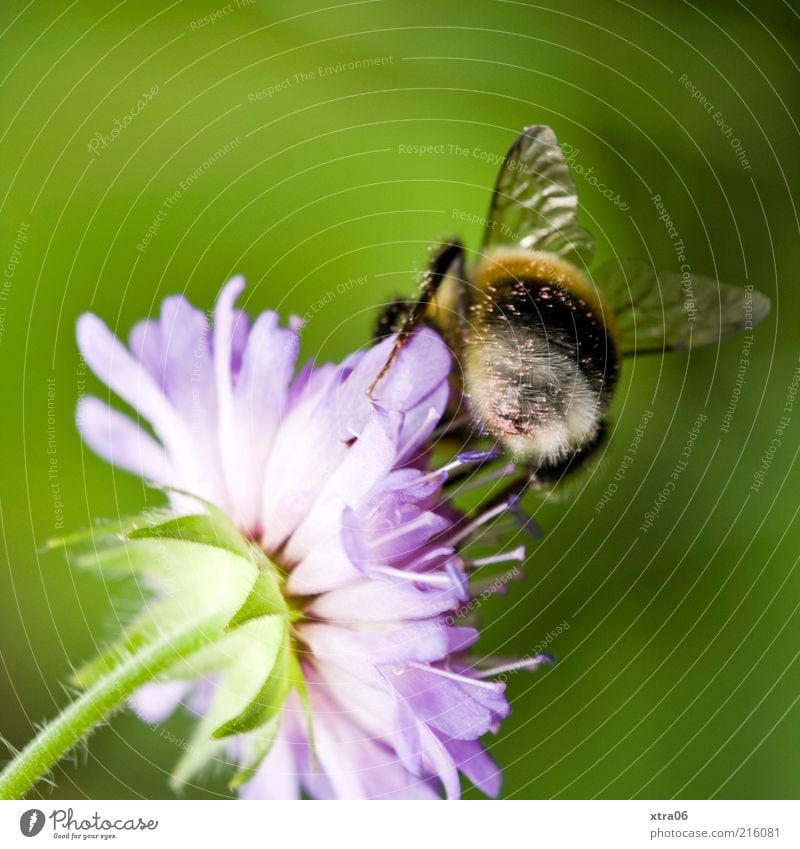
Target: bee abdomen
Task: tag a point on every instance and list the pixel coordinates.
(558, 320)
(542, 367)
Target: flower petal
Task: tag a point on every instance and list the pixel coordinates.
(326, 567)
(147, 346)
(458, 707)
(479, 768)
(115, 366)
(155, 702)
(278, 775)
(420, 368)
(392, 646)
(367, 461)
(305, 452)
(371, 600)
(121, 441)
(223, 342)
(358, 765)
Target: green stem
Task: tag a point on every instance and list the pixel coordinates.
(101, 699)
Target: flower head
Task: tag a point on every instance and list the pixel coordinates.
(332, 485)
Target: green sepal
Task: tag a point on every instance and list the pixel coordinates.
(216, 531)
(201, 749)
(269, 698)
(249, 657)
(259, 743)
(298, 682)
(194, 580)
(265, 599)
(102, 546)
(203, 572)
(112, 530)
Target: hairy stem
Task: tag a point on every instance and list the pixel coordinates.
(100, 700)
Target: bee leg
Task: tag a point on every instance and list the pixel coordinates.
(392, 318)
(440, 264)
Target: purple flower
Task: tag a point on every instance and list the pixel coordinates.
(333, 485)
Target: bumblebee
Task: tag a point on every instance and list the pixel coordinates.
(538, 341)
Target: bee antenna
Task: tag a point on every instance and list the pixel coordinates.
(443, 258)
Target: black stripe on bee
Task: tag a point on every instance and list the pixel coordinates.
(564, 319)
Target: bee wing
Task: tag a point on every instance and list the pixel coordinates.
(660, 312)
(535, 202)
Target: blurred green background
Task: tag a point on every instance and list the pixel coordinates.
(678, 674)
